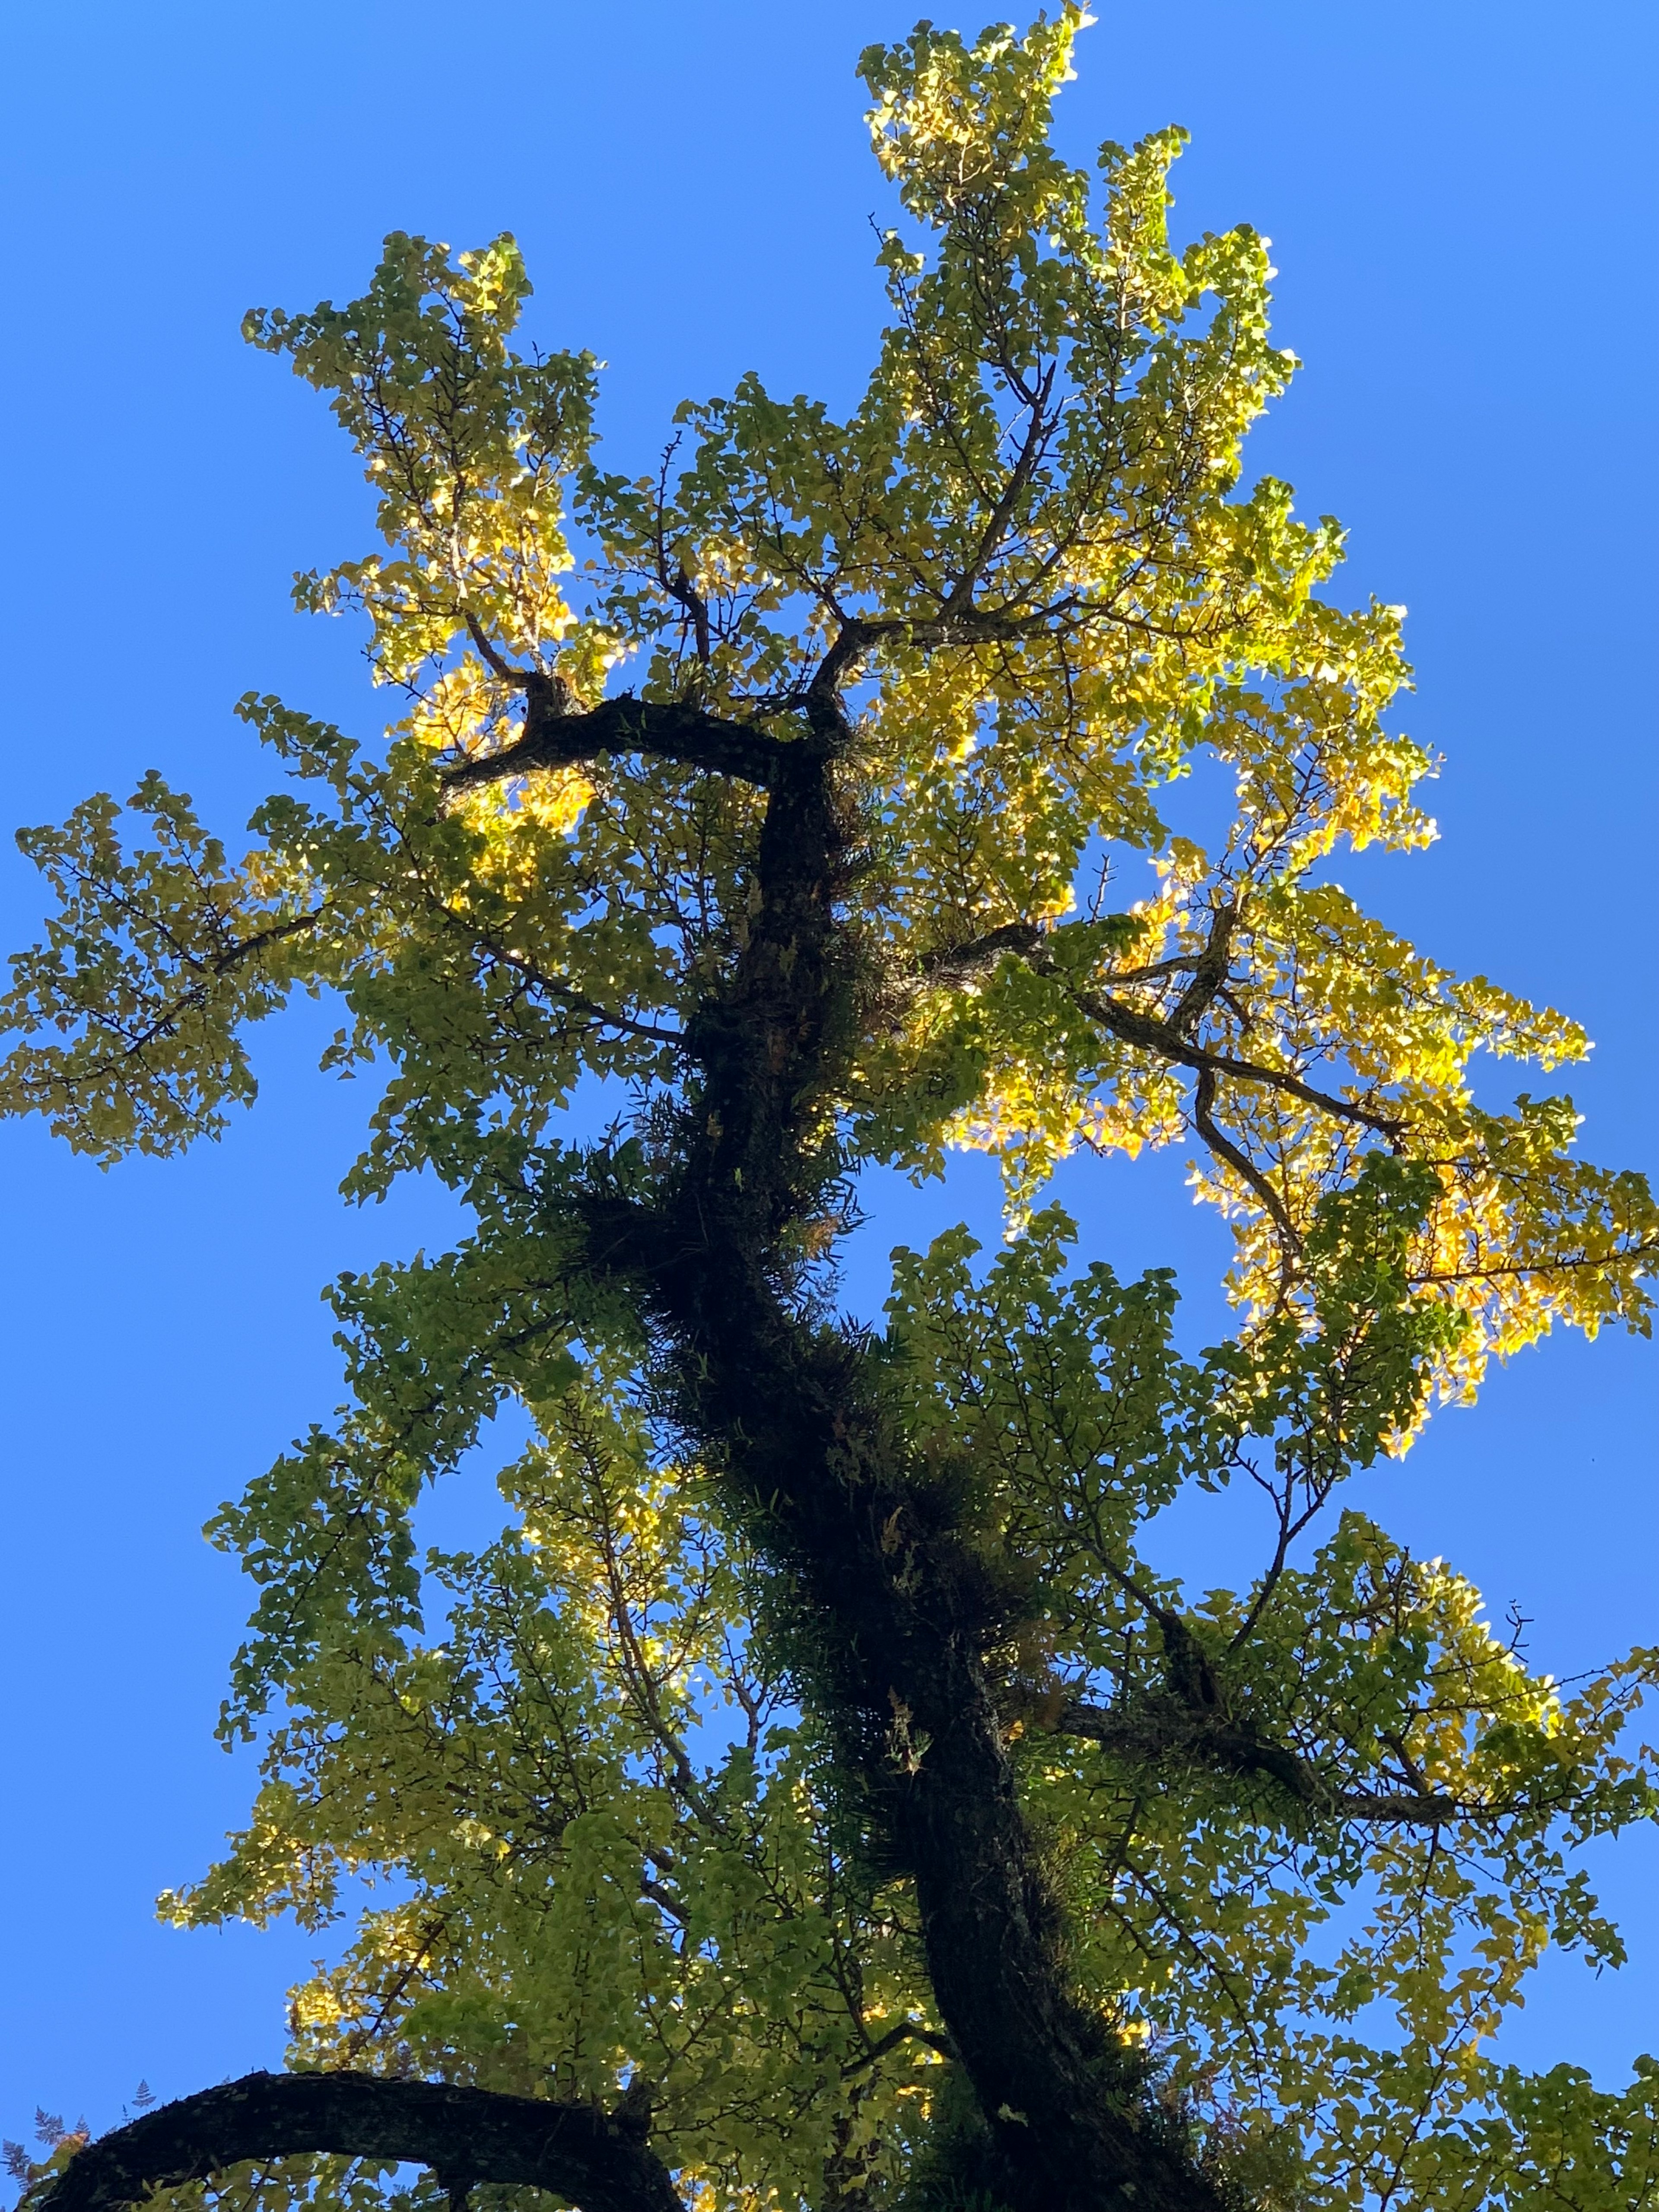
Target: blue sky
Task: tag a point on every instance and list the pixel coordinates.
(1461, 198)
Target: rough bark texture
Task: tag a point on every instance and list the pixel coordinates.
(555, 737)
(598, 2162)
(900, 1611)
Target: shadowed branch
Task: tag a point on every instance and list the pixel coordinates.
(464, 2136)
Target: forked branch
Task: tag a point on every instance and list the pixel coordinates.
(673, 730)
(1162, 1729)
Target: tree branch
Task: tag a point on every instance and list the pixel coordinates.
(906, 2031)
(1239, 1162)
(960, 599)
(960, 963)
(673, 730)
(599, 2161)
(1154, 1035)
(1159, 1729)
(1167, 1038)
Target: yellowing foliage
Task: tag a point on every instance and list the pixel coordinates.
(1029, 575)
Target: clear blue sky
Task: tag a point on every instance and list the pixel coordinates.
(1461, 197)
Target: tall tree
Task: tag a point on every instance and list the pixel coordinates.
(816, 1797)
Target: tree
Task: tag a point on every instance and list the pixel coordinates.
(814, 1797)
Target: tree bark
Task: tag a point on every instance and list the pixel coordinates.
(895, 1609)
(598, 2162)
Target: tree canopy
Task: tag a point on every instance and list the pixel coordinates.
(815, 1798)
